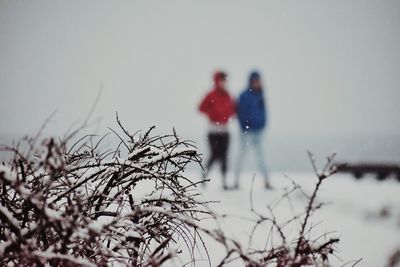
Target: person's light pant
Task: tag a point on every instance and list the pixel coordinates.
(251, 141)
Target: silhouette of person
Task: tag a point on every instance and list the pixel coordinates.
(219, 108)
(252, 115)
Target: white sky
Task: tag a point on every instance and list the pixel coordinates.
(332, 67)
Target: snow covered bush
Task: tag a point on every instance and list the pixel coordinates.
(303, 250)
(81, 204)
(297, 244)
(76, 205)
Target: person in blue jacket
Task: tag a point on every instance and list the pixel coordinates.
(252, 115)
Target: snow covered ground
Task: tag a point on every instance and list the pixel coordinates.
(352, 212)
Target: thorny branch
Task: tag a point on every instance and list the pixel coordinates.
(71, 205)
(78, 205)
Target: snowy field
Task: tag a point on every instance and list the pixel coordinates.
(351, 213)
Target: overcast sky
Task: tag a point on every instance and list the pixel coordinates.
(331, 67)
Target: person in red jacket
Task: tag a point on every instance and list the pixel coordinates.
(219, 108)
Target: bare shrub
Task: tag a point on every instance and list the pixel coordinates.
(83, 205)
(394, 259)
(299, 251)
(72, 205)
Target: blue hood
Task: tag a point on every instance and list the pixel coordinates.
(251, 110)
(254, 75)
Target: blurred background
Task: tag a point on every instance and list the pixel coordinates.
(331, 68)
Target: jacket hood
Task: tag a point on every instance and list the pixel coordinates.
(254, 75)
(219, 75)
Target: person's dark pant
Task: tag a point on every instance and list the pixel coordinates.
(219, 143)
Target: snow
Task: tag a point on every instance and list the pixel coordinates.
(47, 255)
(8, 174)
(351, 212)
(52, 214)
(10, 218)
(96, 226)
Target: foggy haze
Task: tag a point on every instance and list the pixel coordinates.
(331, 68)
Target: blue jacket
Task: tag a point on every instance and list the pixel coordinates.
(251, 110)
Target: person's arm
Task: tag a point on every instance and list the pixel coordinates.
(265, 111)
(266, 106)
(205, 104)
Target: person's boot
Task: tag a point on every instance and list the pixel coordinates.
(268, 186)
(236, 186)
(224, 185)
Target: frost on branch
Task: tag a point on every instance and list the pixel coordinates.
(290, 250)
(78, 205)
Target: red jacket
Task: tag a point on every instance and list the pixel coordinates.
(218, 106)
